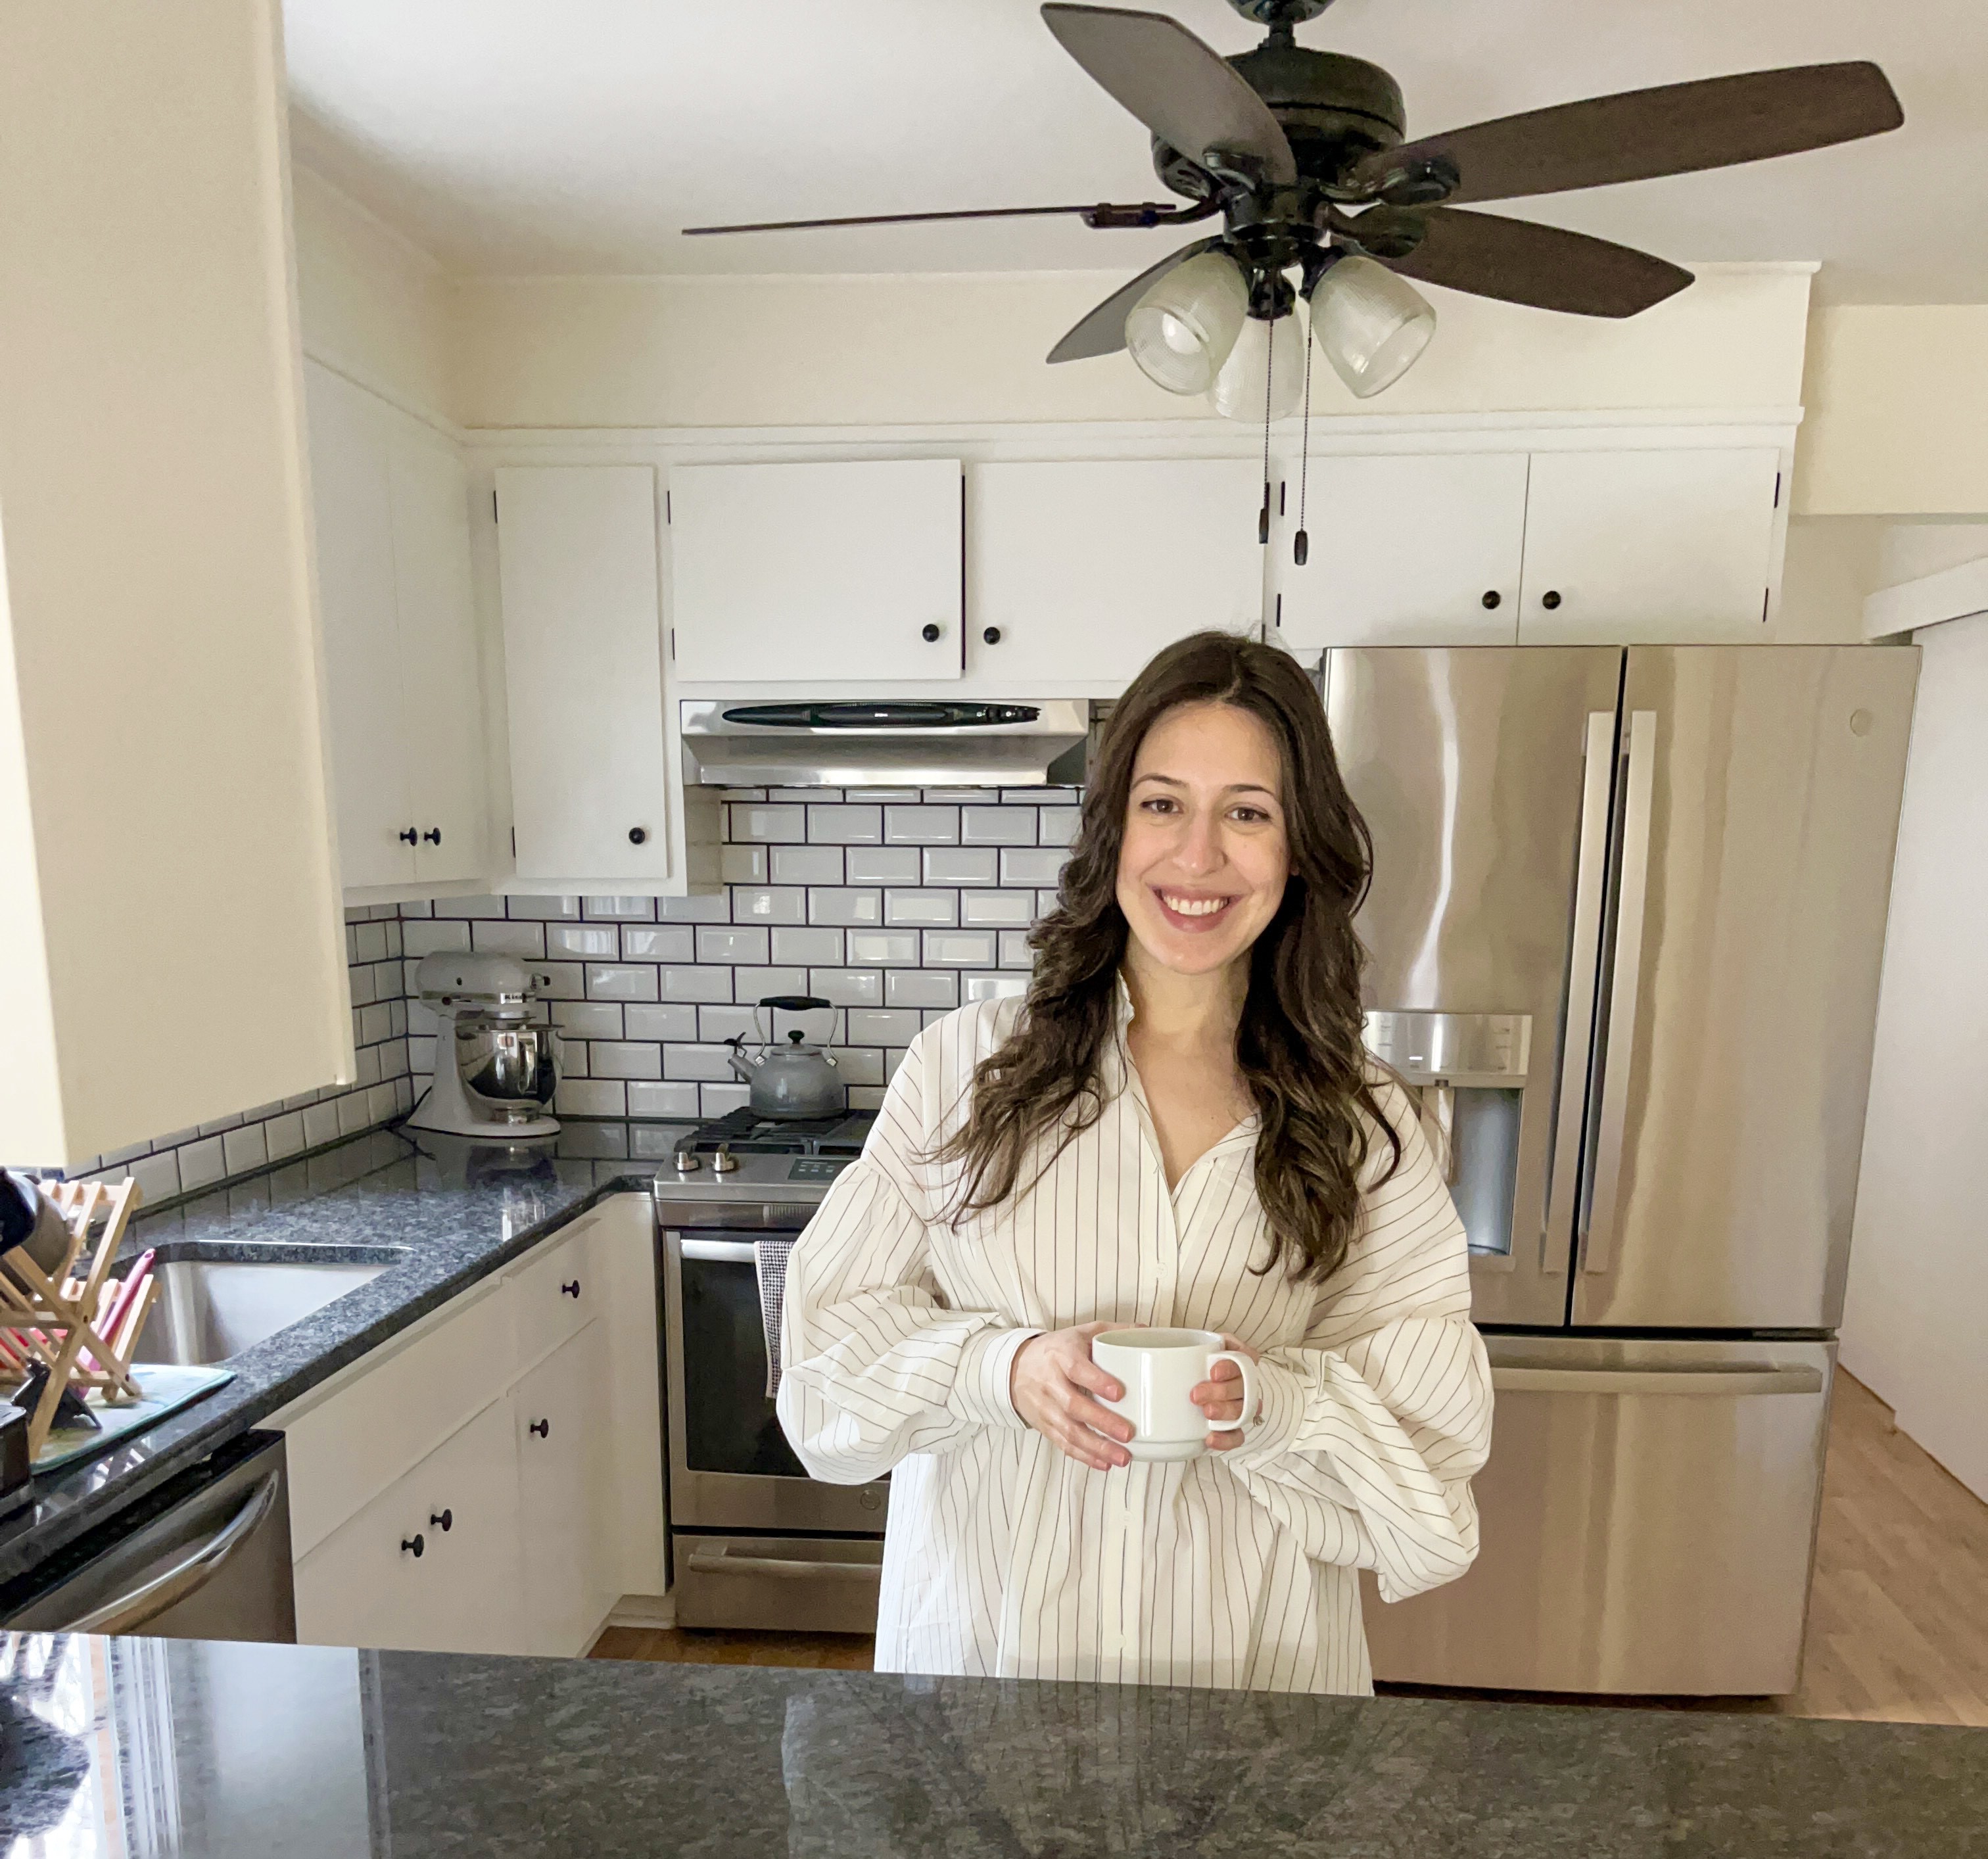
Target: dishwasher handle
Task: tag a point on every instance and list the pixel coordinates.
(127, 1612)
(1736, 1378)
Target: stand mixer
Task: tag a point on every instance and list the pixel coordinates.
(496, 1067)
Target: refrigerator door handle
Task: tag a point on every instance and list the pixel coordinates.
(1590, 888)
(1727, 1380)
(1598, 1236)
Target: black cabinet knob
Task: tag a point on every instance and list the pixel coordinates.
(409, 836)
(1550, 599)
(444, 1521)
(571, 1290)
(413, 1545)
(931, 632)
(433, 836)
(638, 836)
(1491, 596)
(542, 1428)
(993, 635)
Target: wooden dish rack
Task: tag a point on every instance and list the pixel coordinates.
(52, 1317)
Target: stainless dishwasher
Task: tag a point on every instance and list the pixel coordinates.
(205, 1556)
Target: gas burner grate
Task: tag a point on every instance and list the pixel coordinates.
(745, 1133)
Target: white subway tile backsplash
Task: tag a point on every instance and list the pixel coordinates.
(866, 1097)
(722, 1099)
(858, 909)
(623, 1058)
(588, 1020)
(891, 794)
(467, 907)
(961, 865)
(993, 987)
(843, 826)
(527, 940)
(1046, 901)
(352, 1114)
(807, 865)
(742, 864)
(731, 946)
(809, 947)
(619, 909)
(157, 1177)
(624, 982)
(697, 1063)
(431, 938)
(594, 941)
(283, 1135)
(923, 909)
(244, 1149)
(320, 1128)
(997, 827)
(368, 942)
(882, 864)
(883, 948)
(666, 1021)
(557, 980)
(375, 1024)
(1002, 909)
(548, 910)
(1031, 865)
(1015, 951)
(660, 942)
(750, 984)
(691, 984)
(1058, 825)
(770, 825)
(201, 1163)
(848, 987)
(369, 1069)
(883, 1027)
(574, 1055)
(715, 907)
(959, 949)
(716, 1024)
(662, 1100)
(922, 826)
(591, 1097)
(920, 988)
(956, 796)
(772, 903)
(860, 1065)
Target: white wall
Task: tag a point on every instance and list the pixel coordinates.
(929, 349)
(372, 303)
(1915, 1327)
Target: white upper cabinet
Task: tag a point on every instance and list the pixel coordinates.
(405, 675)
(830, 572)
(1648, 547)
(1405, 549)
(1084, 570)
(590, 787)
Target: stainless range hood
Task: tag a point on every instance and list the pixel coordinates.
(884, 742)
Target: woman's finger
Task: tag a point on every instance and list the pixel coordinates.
(1086, 1412)
(1224, 1442)
(1086, 1450)
(1087, 1373)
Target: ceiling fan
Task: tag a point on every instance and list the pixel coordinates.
(1301, 153)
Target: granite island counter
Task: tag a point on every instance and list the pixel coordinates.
(222, 1751)
(441, 1213)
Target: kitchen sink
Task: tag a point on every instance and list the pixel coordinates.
(210, 1309)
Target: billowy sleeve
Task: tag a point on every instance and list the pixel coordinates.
(873, 1364)
(1372, 1427)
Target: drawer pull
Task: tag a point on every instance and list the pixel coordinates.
(542, 1428)
(413, 1545)
(444, 1521)
(571, 1290)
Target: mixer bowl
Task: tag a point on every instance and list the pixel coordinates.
(509, 1068)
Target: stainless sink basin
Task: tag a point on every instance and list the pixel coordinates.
(209, 1310)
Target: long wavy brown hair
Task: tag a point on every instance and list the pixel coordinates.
(1298, 1047)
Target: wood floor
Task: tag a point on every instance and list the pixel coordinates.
(1897, 1625)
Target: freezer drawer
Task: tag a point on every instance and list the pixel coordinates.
(1649, 1520)
(778, 1584)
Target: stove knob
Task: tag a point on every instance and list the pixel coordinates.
(724, 1162)
(688, 1161)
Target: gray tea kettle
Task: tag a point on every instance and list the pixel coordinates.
(798, 1079)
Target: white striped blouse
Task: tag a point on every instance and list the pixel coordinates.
(1004, 1558)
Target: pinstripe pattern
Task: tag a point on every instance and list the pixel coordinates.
(1004, 1558)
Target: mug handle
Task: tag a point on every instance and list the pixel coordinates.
(1248, 1387)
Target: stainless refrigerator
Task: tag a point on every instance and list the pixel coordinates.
(1626, 921)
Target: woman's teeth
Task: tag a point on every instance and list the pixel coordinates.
(1194, 907)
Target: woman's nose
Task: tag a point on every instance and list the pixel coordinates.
(1201, 845)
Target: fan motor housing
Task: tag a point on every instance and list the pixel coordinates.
(1333, 108)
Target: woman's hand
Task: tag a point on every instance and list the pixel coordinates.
(1220, 1397)
(1051, 1381)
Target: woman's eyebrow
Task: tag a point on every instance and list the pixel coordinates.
(1234, 787)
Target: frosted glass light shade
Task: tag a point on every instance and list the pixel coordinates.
(1369, 324)
(1181, 331)
(1239, 387)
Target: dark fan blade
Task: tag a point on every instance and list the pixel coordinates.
(1674, 129)
(1189, 96)
(1103, 332)
(888, 219)
(1523, 262)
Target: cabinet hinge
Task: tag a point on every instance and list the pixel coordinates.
(673, 645)
(1767, 594)
(667, 517)
(1278, 618)
(1280, 496)
(1777, 490)
(514, 842)
(493, 506)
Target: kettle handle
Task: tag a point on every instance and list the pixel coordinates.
(794, 1003)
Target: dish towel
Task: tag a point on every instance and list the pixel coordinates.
(770, 1260)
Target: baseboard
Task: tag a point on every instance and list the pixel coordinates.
(640, 1610)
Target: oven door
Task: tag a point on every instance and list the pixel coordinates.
(731, 1467)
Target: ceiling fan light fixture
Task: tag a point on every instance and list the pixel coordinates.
(1239, 390)
(1370, 324)
(1181, 332)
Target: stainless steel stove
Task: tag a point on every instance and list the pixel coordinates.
(754, 1541)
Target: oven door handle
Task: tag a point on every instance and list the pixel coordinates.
(728, 1251)
(788, 1568)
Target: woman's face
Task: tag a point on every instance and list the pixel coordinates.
(1204, 858)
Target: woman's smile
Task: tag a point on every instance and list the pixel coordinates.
(1192, 911)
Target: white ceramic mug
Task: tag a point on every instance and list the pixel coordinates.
(1158, 1369)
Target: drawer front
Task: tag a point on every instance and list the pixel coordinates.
(348, 1449)
(556, 1292)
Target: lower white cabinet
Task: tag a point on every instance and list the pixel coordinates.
(519, 1528)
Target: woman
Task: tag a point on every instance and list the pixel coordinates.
(1178, 1127)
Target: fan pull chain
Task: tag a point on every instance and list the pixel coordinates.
(1301, 542)
(1270, 375)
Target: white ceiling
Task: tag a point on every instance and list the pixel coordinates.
(524, 136)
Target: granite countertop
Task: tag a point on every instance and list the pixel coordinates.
(229, 1751)
(445, 1211)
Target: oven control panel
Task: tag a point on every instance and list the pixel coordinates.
(817, 1167)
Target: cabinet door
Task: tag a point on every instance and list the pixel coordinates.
(1405, 550)
(559, 1413)
(365, 1585)
(582, 668)
(441, 668)
(1084, 570)
(1648, 547)
(832, 571)
(352, 492)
